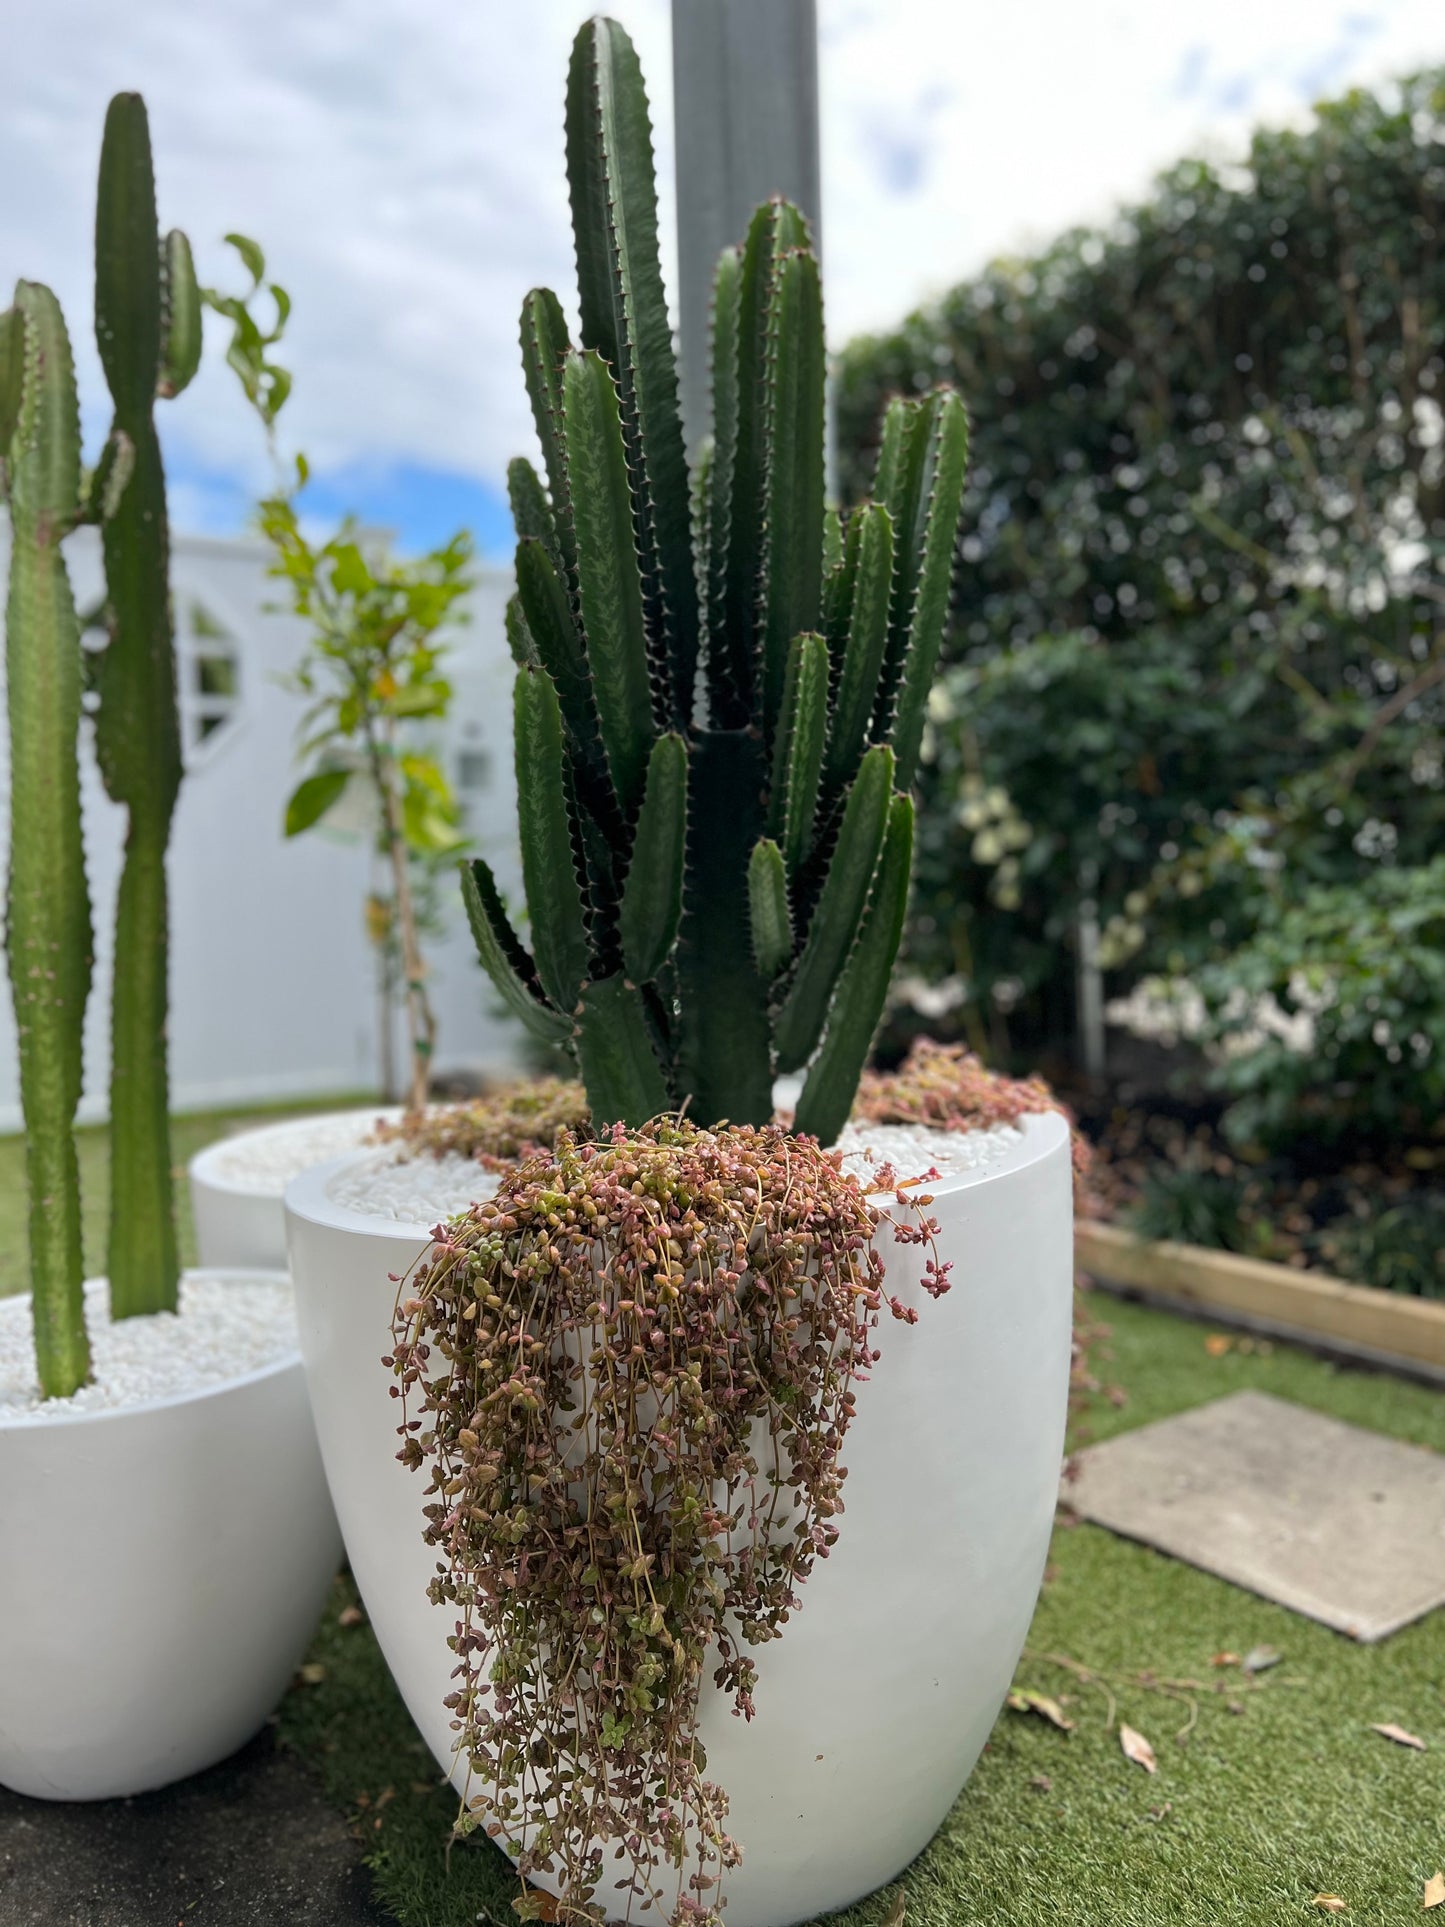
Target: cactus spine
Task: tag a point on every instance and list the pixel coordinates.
(716, 883)
(48, 934)
(147, 321)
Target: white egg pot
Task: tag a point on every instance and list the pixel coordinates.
(162, 1570)
(240, 1219)
(874, 1705)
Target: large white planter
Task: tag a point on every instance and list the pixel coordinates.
(242, 1220)
(874, 1705)
(162, 1570)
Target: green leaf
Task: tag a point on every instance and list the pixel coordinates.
(793, 557)
(554, 897)
(625, 319)
(609, 584)
(504, 959)
(652, 894)
(834, 926)
(868, 569)
(624, 1080)
(313, 797)
(251, 254)
(349, 573)
(769, 921)
(798, 752)
(832, 1081)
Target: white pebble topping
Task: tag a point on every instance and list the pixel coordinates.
(421, 1190)
(266, 1160)
(226, 1328)
(913, 1149)
(424, 1190)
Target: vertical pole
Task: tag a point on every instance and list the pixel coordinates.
(745, 79)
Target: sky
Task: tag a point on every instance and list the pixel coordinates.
(401, 163)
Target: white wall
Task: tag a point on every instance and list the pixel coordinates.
(273, 987)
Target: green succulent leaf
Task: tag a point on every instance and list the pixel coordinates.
(834, 926)
(609, 583)
(652, 894)
(313, 797)
(554, 896)
(769, 921)
(832, 1080)
(504, 959)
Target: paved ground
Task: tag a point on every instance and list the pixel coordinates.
(252, 1843)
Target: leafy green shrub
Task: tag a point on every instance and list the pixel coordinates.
(1182, 1204)
(1402, 1249)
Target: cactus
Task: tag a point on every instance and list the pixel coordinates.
(716, 875)
(147, 323)
(48, 933)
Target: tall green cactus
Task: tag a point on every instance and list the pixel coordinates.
(716, 876)
(147, 324)
(48, 934)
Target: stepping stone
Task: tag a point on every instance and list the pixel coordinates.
(1328, 1519)
(251, 1843)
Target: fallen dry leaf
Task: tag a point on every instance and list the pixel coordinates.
(1137, 1748)
(1021, 1700)
(312, 1673)
(350, 1616)
(1388, 1730)
(1434, 1892)
(1330, 1904)
(1217, 1344)
(1225, 1659)
(1041, 1783)
(1259, 1659)
(894, 1916)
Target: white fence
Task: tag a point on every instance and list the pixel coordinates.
(273, 980)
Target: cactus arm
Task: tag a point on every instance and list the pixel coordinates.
(624, 1080)
(926, 566)
(48, 932)
(834, 925)
(544, 349)
(652, 893)
(511, 970)
(793, 551)
(724, 1062)
(832, 1079)
(543, 603)
(798, 748)
(531, 511)
(180, 316)
(108, 482)
(898, 419)
(728, 677)
(870, 566)
(624, 317)
(769, 921)
(609, 584)
(520, 640)
(137, 726)
(832, 540)
(554, 896)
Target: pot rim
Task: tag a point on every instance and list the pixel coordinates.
(289, 1360)
(200, 1167)
(308, 1196)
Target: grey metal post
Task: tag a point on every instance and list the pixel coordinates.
(745, 79)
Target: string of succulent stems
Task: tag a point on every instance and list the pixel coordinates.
(721, 684)
(631, 1375)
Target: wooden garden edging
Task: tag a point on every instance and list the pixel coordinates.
(1309, 1304)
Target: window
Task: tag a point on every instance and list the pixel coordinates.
(209, 669)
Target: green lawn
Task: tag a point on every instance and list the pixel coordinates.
(189, 1134)
(1279, 1791)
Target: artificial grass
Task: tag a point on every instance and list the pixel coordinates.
(190, 1133)
(1280, 1791)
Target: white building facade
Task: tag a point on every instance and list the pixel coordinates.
(274, 982)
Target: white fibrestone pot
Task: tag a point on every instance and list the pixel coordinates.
(238, 1183)
(162, 1570)
(874, 1705)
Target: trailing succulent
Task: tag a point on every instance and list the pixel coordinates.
(721, 688)
(634, 1465)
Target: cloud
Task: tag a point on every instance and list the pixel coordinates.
(401, 161)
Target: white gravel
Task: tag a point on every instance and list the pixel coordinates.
(913, 1149)
(425, 1190)
(266, 1160)
(420, 1190)
(226, 1328)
